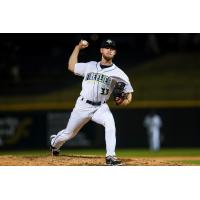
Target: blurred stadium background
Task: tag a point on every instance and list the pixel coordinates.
(37, 92)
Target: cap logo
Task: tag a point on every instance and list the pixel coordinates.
(109, 41)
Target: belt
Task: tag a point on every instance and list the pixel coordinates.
(92, 102)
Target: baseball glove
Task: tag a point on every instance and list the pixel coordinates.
(118, 93)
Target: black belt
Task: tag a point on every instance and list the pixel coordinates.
(92, 102)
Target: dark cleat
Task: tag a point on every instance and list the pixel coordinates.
(113, 161)
(54, 151)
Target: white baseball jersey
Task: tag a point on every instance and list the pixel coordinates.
(98, 83)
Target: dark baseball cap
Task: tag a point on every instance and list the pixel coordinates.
(108, 43)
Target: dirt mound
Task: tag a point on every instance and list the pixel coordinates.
(74, 160)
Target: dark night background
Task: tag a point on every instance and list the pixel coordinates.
(35, 64)
(40, 57)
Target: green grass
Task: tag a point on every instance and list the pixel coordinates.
(161, 153)
(120, 152)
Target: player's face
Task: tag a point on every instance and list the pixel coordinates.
(108, 53)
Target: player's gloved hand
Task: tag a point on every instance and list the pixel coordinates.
(119, 100)
(118, 93)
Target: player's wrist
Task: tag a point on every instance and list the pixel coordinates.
(77, 47)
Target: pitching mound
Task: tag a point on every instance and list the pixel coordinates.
(74, 160)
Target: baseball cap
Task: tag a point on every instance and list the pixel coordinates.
(108, 43)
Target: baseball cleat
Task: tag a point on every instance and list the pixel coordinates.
(54, 151)
(113, 161)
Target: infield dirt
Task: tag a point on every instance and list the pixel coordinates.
(9, 160)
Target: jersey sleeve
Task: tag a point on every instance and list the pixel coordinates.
(80, 69)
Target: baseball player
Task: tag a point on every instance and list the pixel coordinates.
(153, 123)
(99, 81)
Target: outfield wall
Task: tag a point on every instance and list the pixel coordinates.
(31, 129)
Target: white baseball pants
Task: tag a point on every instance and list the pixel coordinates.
(81, 114)
(154, 139)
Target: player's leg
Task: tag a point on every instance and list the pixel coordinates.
(76, 121)
(104, 117)
(156, 140)
(80, 115)
(151, 144)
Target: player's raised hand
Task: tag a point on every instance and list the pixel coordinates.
(83, 44)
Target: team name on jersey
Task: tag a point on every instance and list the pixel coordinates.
(99, 77)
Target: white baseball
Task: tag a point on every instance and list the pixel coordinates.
(84, 42)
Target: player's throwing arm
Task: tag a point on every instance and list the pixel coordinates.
(74, 56)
